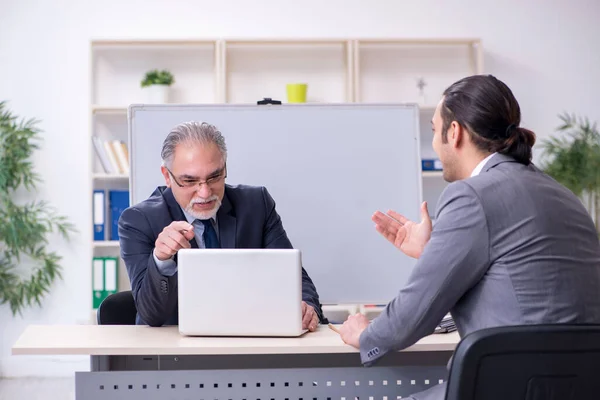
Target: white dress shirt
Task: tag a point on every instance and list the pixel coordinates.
(479, 166)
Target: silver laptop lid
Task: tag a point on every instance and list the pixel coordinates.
(240, 292)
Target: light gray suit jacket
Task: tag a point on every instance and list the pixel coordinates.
(510, 246)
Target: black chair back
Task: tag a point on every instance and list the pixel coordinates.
(117, 309)
(532, 362)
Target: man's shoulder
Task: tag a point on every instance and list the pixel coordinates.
(506, 183)
(495, 180)
(461, 188)
(505, 177)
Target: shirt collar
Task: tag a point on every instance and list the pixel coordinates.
(479, 166)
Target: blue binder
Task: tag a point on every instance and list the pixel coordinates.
(119, 201)
(431, 164)
(99, 214)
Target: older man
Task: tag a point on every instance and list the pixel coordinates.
(197, 209)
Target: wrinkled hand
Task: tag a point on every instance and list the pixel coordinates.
(310, 319)
(351, 329)
(175, 236)
(406, 235)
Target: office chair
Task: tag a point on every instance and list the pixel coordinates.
(117, 309)
(534, 362)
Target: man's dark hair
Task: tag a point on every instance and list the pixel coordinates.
(487, 108)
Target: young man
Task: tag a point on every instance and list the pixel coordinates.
(510, 245)
(197, 209)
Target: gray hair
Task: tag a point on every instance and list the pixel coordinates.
(191, 132)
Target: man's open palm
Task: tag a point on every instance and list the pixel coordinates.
(406, 235)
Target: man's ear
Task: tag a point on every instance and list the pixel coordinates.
(166, 174)
(456, 134)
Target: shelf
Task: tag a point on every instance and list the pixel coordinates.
(108, 110)
(285, 42)
(388, 71)
(424, 41)
(106, 243)
(117, 71)
(107, 177)
(433, 174)
(255, 70)
(153, 43)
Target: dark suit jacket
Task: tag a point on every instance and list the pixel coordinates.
(247, 219)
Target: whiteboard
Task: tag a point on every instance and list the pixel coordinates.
(329, 167)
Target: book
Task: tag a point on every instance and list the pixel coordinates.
(119, 201)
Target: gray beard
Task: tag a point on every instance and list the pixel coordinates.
(203, 214)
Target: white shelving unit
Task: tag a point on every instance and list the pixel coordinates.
(257, 69)
(247, 70)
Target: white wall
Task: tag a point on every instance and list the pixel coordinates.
(548, 52)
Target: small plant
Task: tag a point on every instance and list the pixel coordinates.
(156, 77)
(575, 160)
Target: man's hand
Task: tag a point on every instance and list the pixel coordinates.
(406, 235)
(175, 236)
(310, 319)
(351, 329)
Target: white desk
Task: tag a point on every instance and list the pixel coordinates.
(143, 362)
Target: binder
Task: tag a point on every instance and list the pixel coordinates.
(111, 275)
(431, 164)
(105, 278)
(97, 281)
(98, 205)
(119, 201)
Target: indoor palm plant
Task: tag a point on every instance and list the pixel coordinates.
(574, 160)
(27, 267)
(157, 83)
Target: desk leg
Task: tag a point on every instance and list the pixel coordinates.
(99, 363)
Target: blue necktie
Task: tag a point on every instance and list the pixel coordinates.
(211, 241)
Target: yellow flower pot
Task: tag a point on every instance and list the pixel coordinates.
(296, 92)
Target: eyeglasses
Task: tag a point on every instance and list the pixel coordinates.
(211, 182)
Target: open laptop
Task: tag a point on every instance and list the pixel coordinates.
(240, 292)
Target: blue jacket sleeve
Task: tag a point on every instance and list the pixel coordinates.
(155, 294)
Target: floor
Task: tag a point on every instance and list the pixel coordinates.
(37, 389)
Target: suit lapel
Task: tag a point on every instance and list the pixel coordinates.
(176, 212)
(227, 223)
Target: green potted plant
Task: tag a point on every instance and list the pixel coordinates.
(27, 267)
(574, 160)
(156, 84)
